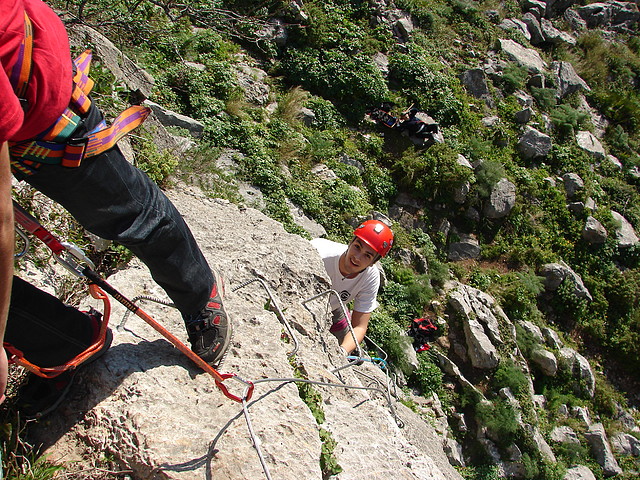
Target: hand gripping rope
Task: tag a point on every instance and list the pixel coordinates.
(72, 258)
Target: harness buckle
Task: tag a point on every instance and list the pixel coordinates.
(74, 151)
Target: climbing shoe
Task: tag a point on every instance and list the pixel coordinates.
(210, 331)
(40, 396)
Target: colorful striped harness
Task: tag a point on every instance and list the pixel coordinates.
(56, 145)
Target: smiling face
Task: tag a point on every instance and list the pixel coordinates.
(358, 256)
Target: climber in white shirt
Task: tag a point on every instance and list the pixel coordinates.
(355, 277)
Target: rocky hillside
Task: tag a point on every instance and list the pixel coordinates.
(152, 415)
(525, 220)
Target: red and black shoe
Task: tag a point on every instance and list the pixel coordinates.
(210, 332)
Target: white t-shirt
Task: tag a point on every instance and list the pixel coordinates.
(362, 289)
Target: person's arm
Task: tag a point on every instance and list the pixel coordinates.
(6, 255)
(360, 323)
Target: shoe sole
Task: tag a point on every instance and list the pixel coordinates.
(225, 346)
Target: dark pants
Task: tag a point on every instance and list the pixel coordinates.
(48, 332)
(116, 201)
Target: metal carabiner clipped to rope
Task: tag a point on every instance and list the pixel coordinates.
(73, 259)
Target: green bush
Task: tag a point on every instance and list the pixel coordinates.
(514, 77)
(419, 78)
(499, 417)
(545, 97)
(487, 176)
(352, 80)
(428, 376)
(535, 469)
(567, 120)
(433, 174)
(509, 375)
(386, 332)
(158, 165)
(480, 472)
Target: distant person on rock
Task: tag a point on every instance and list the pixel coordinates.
(414, 127)
(52, 137)
(354, 276)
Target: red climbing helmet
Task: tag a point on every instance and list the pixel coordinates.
(375, 234)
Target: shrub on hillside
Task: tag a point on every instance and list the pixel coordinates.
(428, 376)
(509, 375)
(422, 80)
(433, 174)
(499, 417)
(351, 79)
(567, 120)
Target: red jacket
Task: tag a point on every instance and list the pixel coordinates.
(51, 76)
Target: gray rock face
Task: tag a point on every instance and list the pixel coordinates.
(625, 444)
(535, 30)
(564, 434)
(501, 200)
(468, 247)
(545, 360)
(625, 234)
(252, 82)
(475, 82)
(572, 183)
(594, 232)
(169, 118)
(597, 438)
(533, 144)
(567, 80)
(517, 25)
(556, 273)
(617, 16)
(554, 36)
(590, 144)
(122, 67)
(580, 368)
(160, 417)
(580, 472)
(479, 314)
(525, 57)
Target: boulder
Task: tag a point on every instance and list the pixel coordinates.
(567, 80)
(614, 15)
(572, 184)
(467, 247)
(625, 234)
(581, 369)
(625, 444)
(122, 67)
(479, 314)
(501, 200)
(545, 360)
(556, 273)
(590, 144)
(601, 450)
(594, 232)
(517, 25)
(169, 118)
(564, 434)
(580, 472)
(534, 144)
(525, 57)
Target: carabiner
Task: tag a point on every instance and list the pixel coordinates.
(248, 393)
(70, 263)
